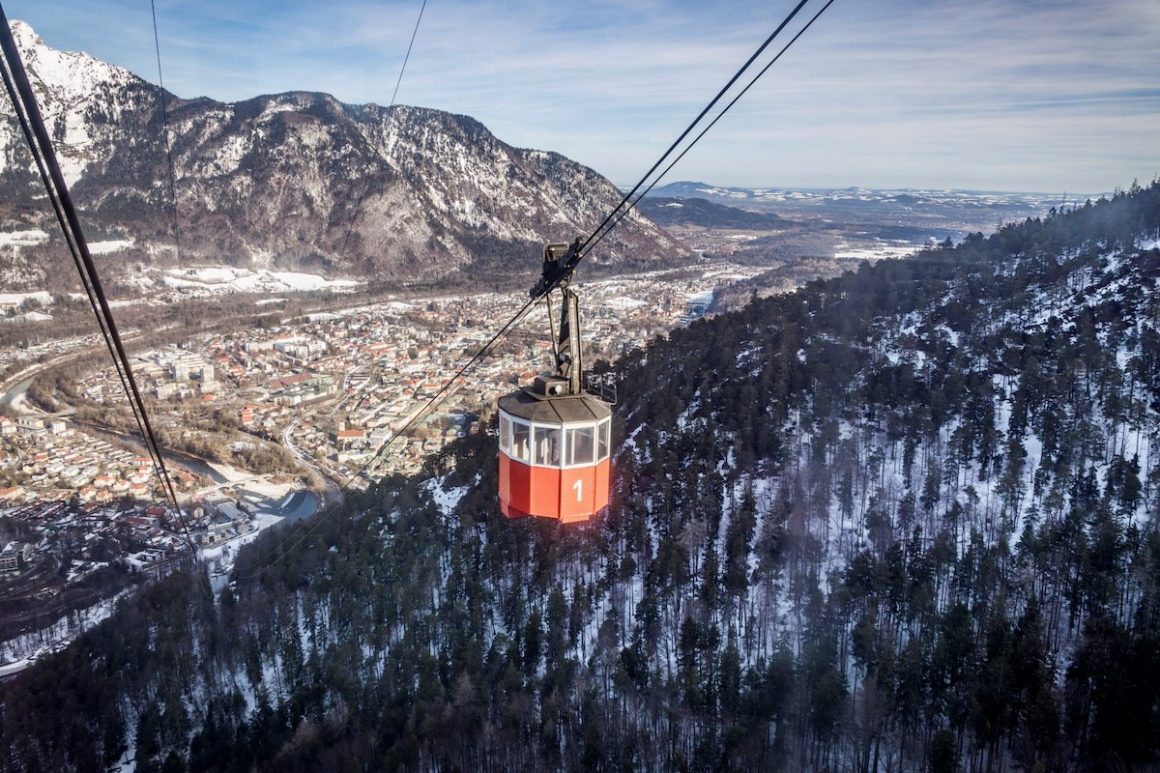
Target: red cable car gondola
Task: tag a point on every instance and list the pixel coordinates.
(555, 436)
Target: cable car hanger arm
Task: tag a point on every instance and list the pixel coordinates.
(559, 262)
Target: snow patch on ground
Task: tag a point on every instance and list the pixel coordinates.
(32, 316)
(446, 499)
(227, 279)
(21, 652)
(621, 302)
(16, 299)
(111, 246)
(231, 474)
(23, 238)
(876, 252)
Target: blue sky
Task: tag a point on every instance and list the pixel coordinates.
(1043, 95)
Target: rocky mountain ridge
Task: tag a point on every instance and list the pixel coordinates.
(296, 181)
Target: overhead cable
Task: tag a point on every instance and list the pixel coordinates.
(613, 219)
(24, 102)
(676, 143)
(592, 245)
(398, 81)
(437, 399)
(168, 142)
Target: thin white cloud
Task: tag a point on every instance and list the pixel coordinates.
(1048, 94)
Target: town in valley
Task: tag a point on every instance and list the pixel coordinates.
(271, 421)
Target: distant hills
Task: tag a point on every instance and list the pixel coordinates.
(801, 233)
(667, 212)
(973, 210)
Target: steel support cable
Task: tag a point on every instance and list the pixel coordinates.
(425, 410)
(40, 143)
(91, 293)
(446, 390)
(705, 130)
(92, 303)
(583, 250)
(73, 251)
(27, 131)
(68, 236)
(437, 398)
(417, 418)
(165, 129)
(628, 196)
(398, 81)
(614, 217)
(176, 238)
(407, 56)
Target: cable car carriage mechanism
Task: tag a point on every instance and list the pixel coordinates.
(555, 435)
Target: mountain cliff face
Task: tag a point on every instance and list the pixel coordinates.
(296, 181)
(905, 519)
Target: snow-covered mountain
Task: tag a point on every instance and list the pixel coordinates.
(292, 181)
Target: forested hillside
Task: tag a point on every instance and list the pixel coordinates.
(905, 519)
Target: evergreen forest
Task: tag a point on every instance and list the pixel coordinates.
(905, 519)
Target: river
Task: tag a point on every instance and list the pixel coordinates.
(192, 463)
(302, 504)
